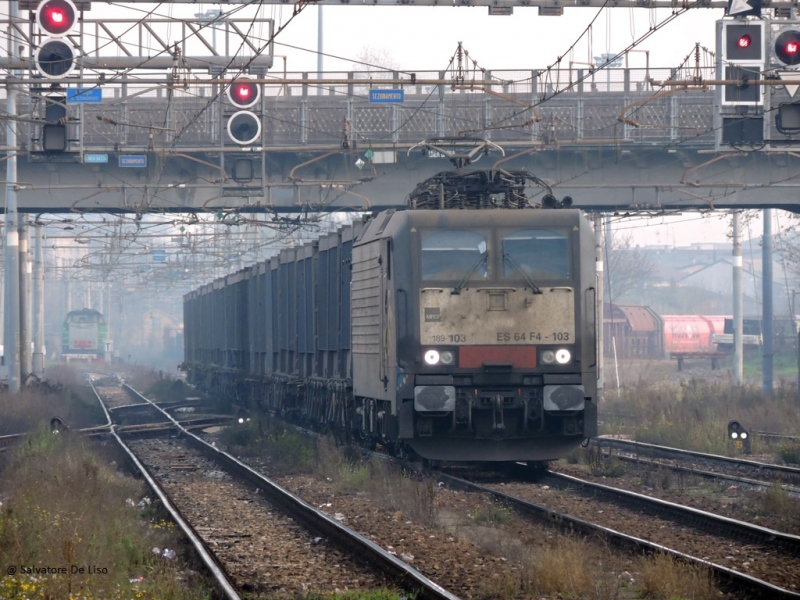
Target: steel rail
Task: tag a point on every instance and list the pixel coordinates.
(352, 542)
(701, 472)
(739, 580)
(777, 471)
(202, 551)
(740, 529)
(769, 436)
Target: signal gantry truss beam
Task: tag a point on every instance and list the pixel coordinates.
(157, 43)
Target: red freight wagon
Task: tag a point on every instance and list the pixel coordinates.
(691, 333)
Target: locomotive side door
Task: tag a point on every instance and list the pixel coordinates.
(385, 300)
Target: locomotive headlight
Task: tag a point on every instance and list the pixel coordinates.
(548, 356)
(447, 357)
(563, 356)
(432, 357)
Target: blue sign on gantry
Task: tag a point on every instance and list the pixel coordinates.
(133, 160)
(84, 95)
(386, 96)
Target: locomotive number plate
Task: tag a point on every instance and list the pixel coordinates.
(526, 319)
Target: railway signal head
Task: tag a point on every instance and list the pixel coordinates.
(244, 126)
(243, 93)
(739, 436)
(786, 47)
(54, 131)
(54, 56)
(56, 17)
(743, 42)
(54, 59)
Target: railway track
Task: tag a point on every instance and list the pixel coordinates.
(264, 538)
(698, 472)
(538, 502)
(775, 552)
(764, 472)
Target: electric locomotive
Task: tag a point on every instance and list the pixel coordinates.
(458, 335)
(473, 333)
(83, 335)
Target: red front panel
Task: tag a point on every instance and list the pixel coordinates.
(474, 357)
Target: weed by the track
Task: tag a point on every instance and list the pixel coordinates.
(658, 479)
(291, 451)
(491, 513)
(662, 577)
(351, 595)
(601, 465)
(70, 526)
(790, 453)
(570, 567)
(32, 406)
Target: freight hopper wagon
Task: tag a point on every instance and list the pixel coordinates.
(456, 334)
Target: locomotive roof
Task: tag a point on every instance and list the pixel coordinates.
(388, 222)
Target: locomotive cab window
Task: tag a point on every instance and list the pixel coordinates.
(449, 254)
(538, 252)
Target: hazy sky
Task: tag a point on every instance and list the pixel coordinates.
(425, 38)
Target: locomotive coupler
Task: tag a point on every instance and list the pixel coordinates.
(497, 408)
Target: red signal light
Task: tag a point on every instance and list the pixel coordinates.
(56, 17)
(787, 47)
(244, 93)
(745, 41)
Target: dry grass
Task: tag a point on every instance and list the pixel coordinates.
(777, 502)
(36, 405)
(414, 496)
(560, 567)
(695, 414)
(661, 577)
(63, 507)
(570, 567)
(291, 451)
(386, 484)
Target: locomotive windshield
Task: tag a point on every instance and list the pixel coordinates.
(537, 252)
(451, 253)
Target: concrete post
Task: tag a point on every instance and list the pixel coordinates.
(738, 355)
(11, 260)
(319, 49)
(109, 349)
(25, 365)
(766, 318)
(598, 245)
(38, 304)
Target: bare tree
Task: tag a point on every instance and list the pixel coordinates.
(627, 266)
(376, 60)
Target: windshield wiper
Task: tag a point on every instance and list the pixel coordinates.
(482, 260)
(508, 259)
